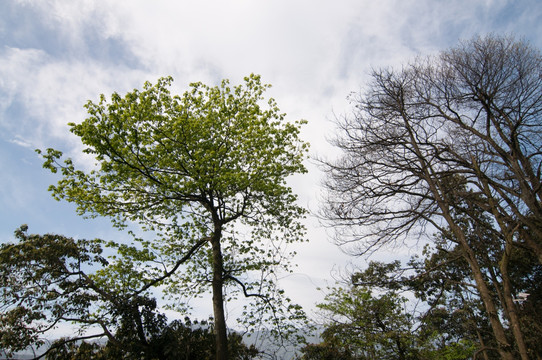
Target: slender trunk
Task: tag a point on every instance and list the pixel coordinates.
(509, 304)
(505, 349)
(221, 335)
(482, 345)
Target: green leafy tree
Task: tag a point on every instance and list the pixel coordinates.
(453, 313)
(368, 326)
(47, 280)
(371, 319)
(42, 284)
(50, 279)
(206, 173)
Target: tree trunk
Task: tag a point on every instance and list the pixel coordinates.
(509, 304)
(506, 298)
(221, 335)
(504, 347)
(428, 174)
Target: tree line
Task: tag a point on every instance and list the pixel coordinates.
(446, 151)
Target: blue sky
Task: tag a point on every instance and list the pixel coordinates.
(57, 54)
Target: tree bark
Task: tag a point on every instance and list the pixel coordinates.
(504, 347)
(428, 174)
(221, 335)
(509, 304)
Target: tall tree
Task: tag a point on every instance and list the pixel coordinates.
(474, 111)
(206, 172)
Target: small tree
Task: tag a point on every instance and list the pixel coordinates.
(206, 172)
(369, 326)
(48, 280)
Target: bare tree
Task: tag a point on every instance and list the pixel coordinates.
(464, 125)
(488, 93)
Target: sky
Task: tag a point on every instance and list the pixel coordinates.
(55, 55)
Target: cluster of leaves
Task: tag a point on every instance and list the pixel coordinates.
(188, 340)
(47, 280)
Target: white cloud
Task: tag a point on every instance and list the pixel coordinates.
(22, 142)
(50, 93)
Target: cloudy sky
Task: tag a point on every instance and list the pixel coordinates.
(57, 54)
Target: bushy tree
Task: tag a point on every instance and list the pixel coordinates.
(360, 324)
(370, 326)
(50, 279)
(188, 340)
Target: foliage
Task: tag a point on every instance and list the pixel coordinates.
(186, 340)
(206, 173)
(74, 351)
(42, 283)
(370, 326)
(47, 280)
(360, 325)
(325, 351)
(50, 279)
